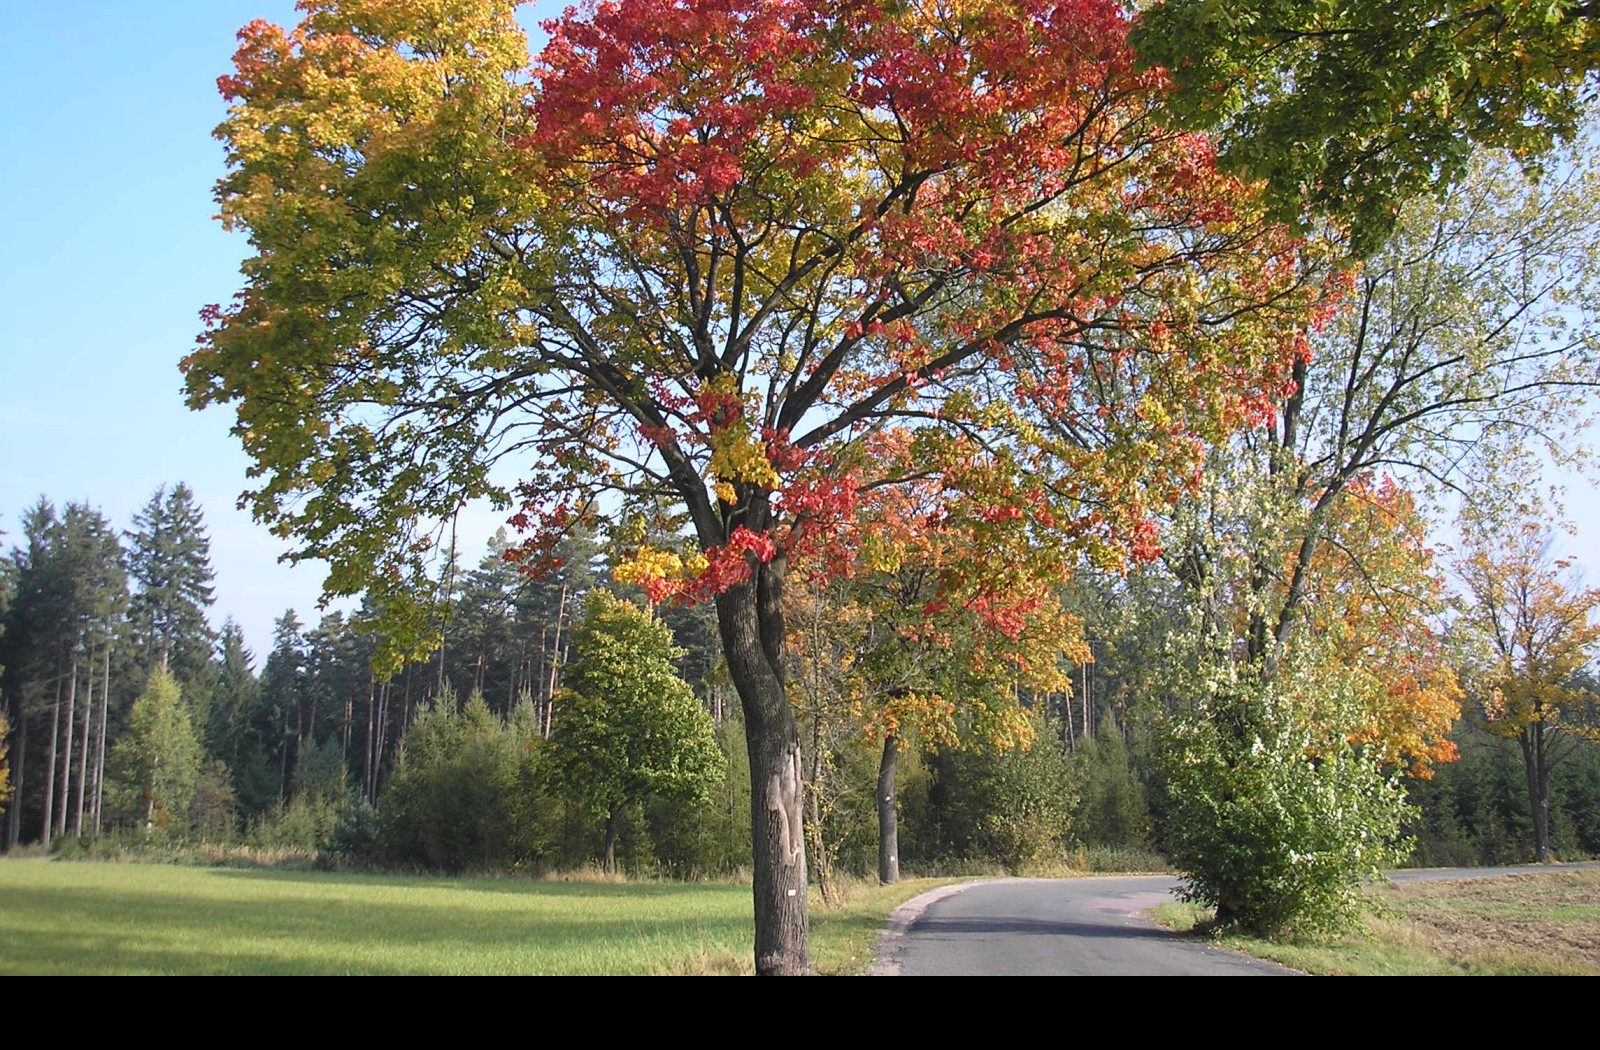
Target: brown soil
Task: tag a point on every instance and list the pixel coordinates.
(1544, 920)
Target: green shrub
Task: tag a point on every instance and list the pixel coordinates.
(459, 794)
(1275, 818)
(1011, 805)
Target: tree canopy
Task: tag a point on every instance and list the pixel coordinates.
(690, 258)
(1352, 108)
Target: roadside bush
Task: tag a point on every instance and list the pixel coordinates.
(1275, 818)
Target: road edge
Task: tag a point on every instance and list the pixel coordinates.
(885, 956)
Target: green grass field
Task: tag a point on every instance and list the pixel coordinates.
(84, 918)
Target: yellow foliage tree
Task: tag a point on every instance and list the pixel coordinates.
(1531, 632)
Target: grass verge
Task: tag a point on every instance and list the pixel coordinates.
(1545, 924)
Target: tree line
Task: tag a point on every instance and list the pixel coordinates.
(564, 720)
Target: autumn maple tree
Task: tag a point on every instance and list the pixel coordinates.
(916, 645)
(1530, 632)
(695, 254)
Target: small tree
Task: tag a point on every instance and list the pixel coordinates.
(1529, 624)
(158, 760)
(1275, 817)
(628, 727)
(452, 801)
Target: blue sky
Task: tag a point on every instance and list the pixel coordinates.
(109, 251)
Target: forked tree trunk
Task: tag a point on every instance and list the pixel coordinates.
(750, 622)
(888, 814)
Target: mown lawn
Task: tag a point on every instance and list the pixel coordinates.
(1537, 924)
(86, 918)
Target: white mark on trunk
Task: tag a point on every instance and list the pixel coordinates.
(783, 799)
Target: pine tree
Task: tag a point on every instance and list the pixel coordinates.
(278, 721)
(171, 564)
(69, 601)
(234, 695)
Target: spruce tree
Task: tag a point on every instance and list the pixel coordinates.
(170, 558)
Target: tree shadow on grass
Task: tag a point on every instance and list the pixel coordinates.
(510, 884)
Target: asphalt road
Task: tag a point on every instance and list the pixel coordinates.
(1072, 927)
(1055, 927)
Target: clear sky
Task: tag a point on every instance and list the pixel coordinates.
(108, 250)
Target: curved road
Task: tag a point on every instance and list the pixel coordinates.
(1086, 927)
(1072, 927)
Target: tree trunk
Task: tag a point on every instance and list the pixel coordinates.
(819, 849)
(66, 757)
(610, 864)
(100, 739)
(1537, 769)
(19, 759)
(750, 622)
(555, 667)
(50, 769)
(83, 751)
(888, 814)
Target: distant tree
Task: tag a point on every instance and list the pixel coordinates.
(456, 795)
(157, 761)
(1530, 630)
(918, 643)
(234, 696)
(628, 727)
(321, 772)
(61, 628)
(276, 722)
(1010, 804)
(170, 560)
(213, 809)
(1112, 810)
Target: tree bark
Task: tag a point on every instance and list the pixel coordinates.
(750, 622)
(1537, 769)
(100, 738)
(610, 864)
(50, 771)
(66, 757)
(888, 814)
(83, 751)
